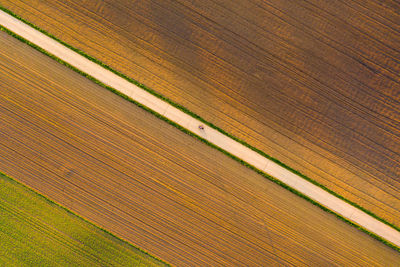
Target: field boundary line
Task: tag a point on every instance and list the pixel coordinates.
(45, 198)
(210, 134)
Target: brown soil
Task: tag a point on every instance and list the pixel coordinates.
(314, 84)
(140, 178)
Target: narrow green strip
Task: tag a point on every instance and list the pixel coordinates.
(195, 135)
(53, 225)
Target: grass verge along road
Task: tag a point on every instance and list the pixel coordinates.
(208, 134)
(140, 178)
(313, 84)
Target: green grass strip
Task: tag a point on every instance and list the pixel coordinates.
(37, 231)
(205, 122)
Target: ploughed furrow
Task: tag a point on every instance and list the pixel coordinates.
(142, 179)
(314, 83)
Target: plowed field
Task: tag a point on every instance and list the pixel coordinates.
(140, 178)
(314, 83)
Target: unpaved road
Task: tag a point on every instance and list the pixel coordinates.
(209, 134)
(312, 83)
(147, 182)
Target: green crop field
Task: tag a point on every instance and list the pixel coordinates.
(36, 231)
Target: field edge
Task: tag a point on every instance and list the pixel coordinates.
(48, 200)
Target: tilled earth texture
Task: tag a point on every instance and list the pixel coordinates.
(313, 83)
(149, 183)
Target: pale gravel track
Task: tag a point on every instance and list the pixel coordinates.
(107, 77)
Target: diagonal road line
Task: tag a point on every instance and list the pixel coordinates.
(213, 136)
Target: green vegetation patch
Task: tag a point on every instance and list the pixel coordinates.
(36, 231)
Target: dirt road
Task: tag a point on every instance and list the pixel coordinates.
(313, 83)
(142, 179)
(207, 133)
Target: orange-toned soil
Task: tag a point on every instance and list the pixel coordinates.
(314, 83)
(140, 178)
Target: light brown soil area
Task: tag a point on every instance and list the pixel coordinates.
(314, 84)
(131, 173)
